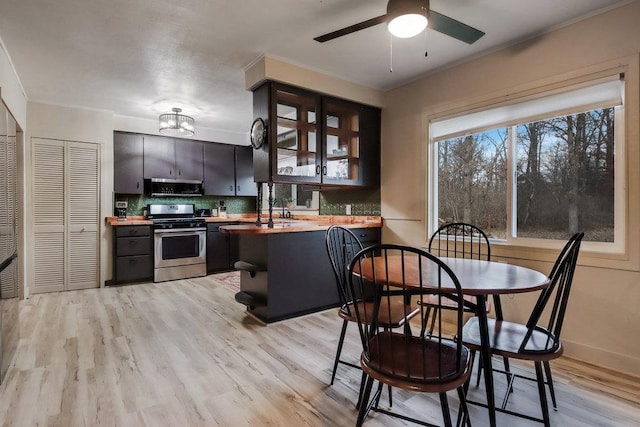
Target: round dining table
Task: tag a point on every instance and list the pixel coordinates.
(478, 278)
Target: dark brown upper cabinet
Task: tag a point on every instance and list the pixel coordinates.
(128, 163)
(172, 158)
(228, 170)
(316, 139)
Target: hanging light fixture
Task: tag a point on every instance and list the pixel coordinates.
(176, 124)
(407, 18)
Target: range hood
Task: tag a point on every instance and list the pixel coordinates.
(163, 187)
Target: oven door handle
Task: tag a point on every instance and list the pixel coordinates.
(176, 231)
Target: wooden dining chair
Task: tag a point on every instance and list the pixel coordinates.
(458, 240)
(534, 341)
(423, 363)
(342, 245)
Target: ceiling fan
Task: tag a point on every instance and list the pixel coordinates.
(407, 18)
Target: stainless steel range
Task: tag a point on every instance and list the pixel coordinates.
(180, 245)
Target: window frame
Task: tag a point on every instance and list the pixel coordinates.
(616, 249)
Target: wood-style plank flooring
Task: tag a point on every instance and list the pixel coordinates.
(185, 354)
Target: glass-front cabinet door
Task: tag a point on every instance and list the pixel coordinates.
(341, 155)
(297, 147)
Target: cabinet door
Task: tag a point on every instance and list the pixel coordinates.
(245, 184)
(128, 163)
(189, 159)
(296, 152)
(159, 157)
(351, 143)
(219, 174)
(217, 251)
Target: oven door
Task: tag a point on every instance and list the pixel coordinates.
(175, 247)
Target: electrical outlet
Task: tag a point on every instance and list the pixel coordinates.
(348, 209)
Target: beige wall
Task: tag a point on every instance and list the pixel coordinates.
(604, 312)
(269, 68)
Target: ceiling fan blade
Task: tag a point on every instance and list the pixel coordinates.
(351, 29)
(453, 28)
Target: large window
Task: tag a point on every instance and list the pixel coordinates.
(540, 169)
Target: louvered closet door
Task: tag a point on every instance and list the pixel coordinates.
(8, 187)
(48, 215)
(82, 218)
(66, 207)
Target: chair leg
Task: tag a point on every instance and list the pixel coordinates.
(507, 369)
(363, 381)
(463, 413)
(425, 319)
(340, 343)
(378, 395)
(390, 399)
(433, 320)
(479, 376)
(364, 403)
(543, 394)
(547, 370)
(444, 403)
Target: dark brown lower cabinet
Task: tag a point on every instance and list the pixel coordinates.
(222, 248)
(294, 274)
(132, 254)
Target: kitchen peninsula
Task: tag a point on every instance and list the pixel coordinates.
(285, 270)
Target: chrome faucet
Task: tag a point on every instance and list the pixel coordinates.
(285, 212)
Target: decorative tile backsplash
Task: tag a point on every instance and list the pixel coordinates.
(235, 205)
(364, 202)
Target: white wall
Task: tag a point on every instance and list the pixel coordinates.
(150, 127)
(604, 310)
(11, 89)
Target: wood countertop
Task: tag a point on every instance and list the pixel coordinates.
(301, 225)
(281, 225)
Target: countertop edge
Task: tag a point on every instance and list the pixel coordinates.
(297, 227)
(301, 223)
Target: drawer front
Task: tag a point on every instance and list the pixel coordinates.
(134, 268)
(215, 226)
(367, 235)
(126, 246)
(133, 230)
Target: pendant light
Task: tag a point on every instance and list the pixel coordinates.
(176, 124)
(407, 18)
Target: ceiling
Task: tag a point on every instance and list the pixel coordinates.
(140, 58)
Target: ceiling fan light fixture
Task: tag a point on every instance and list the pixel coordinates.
(407, 18)
(176, 124)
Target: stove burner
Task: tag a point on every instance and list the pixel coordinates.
(165, 223)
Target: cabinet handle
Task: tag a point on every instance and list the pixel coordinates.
(231, 188)
(138, 184)
(324, 170)
(170, 172)
(179, 171)
(317, 169)
(238, 189)
(132, 242)
(133, 232)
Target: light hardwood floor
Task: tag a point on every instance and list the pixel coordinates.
(185, 354)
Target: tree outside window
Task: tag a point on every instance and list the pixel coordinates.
(562, 179)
